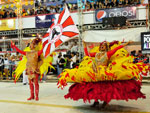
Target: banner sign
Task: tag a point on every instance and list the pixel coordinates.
(128, 12)
(8, 24)
(45, 21)
(145, 41)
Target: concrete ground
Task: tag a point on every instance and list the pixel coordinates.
(13, 100)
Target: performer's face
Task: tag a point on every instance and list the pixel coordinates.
(103, 47)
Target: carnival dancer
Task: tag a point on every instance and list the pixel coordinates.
(33, 64)
(109, 73)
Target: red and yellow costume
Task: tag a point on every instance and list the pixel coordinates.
(33, 63)
(116, 76)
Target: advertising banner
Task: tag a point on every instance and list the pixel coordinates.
(128, 12)
(145, 41)
(45, 21)
(8, 24)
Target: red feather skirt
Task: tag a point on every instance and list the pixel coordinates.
(106, 91)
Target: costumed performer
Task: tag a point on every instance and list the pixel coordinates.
(33, 64)
(109, 73)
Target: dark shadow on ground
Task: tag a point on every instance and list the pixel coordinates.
(109, 108)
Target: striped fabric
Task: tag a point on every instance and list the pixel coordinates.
(59, 32)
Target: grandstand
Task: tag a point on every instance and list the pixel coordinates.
(96, 16)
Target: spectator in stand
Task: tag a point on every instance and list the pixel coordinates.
(45, 11)
(132, 1)
(127, 2)
(42, 1)
(6, 66)
(48, 9)
(41, 9)
(75, 7)
(87, 6)
(146, 59)
(24, 12)
(32, 12)
(57, 64)
(111, 4)
(106, 4)
(77, 58)
(10, 14)
(1, 13)
(68, 61)
(38, 11)
(101, 5)
(12, 60)
(97, 5)
(61, 64)
(36, 3)
(5, 14)
(1, 66)
(14, 14)
(115, 2)
(136, 2)
(73, 60)
(75, 47)
(53, 10)
(139, 54)
(9, 48)
(92, 5)
(121, 3)
(65, 58)
(57, 8)
(25, 79)
(61, 8)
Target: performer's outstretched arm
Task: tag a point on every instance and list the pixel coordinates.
(17, 49)
(86, 51)
(110, 53)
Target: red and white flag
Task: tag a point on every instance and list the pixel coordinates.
(59, 32)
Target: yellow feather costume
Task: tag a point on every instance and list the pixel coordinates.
(121, 67)
(21, 66)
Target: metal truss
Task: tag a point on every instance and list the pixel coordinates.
(24, 31)
(5, 33)
(94, 27)
(98, 26)
(138, 23)
(33, 31)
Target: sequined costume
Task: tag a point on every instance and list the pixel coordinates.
(33, 64)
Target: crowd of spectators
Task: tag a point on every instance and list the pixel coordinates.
(68, 58)
(43, 8)
(64, 59)
(139, 57)
(8, 63)
(5, 13)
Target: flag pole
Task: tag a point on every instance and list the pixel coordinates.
(80, 27)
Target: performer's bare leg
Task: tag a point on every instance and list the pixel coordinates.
(31, 90)
(36, 87)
